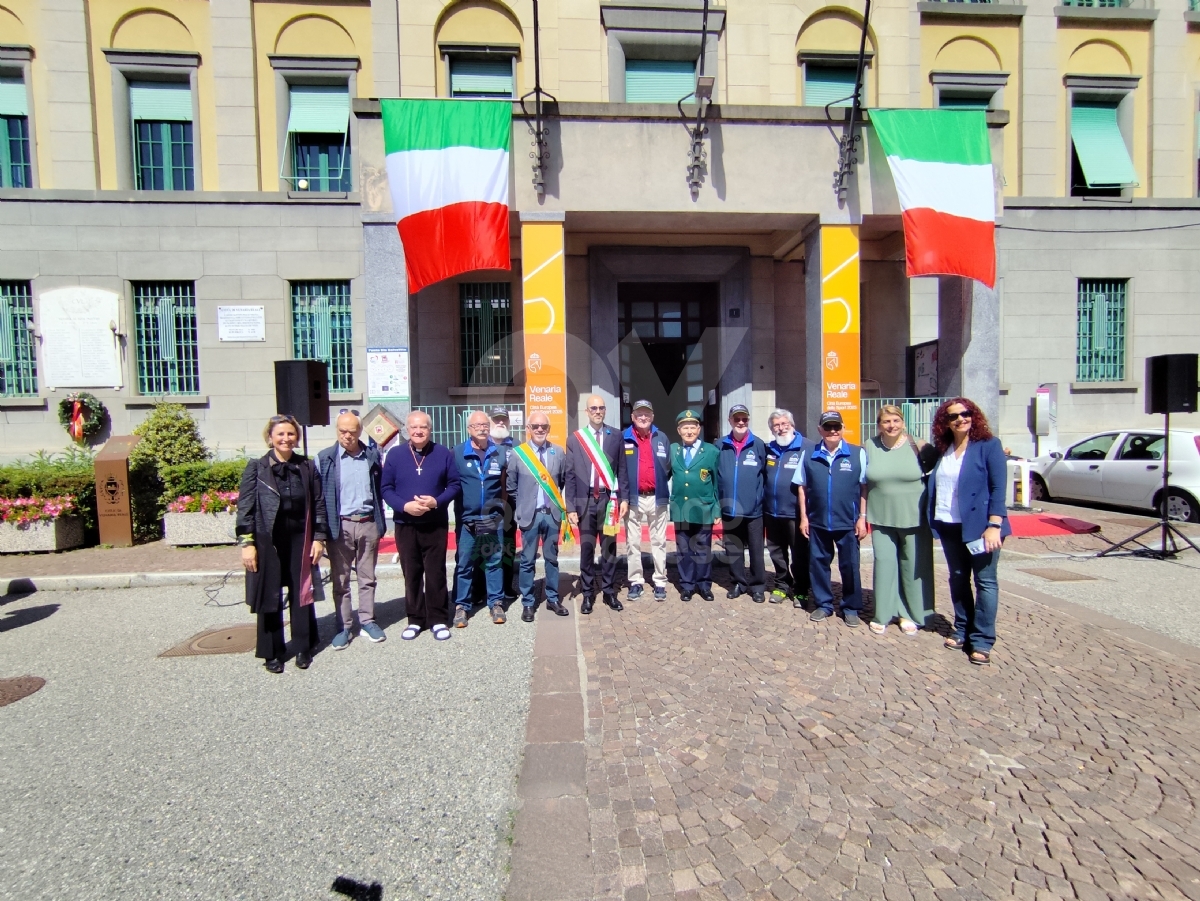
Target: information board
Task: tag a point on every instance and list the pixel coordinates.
(242, 323)
(387, 374)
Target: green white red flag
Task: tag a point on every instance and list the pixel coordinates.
(942, 165)
(447, 165)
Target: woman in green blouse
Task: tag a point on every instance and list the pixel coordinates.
(901, 541)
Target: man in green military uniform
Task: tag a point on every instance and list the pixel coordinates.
(694, 506)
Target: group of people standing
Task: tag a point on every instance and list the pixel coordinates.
(798, 500)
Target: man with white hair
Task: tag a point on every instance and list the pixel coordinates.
(786, 544)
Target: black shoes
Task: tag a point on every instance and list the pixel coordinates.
(735, 592)
(274, 666)
(557, 608)
(686, 597)
(303, 660)
(758, 597)
(635, 592)
(588, 602)
(610, 600)
(526, 614)
(707, 594)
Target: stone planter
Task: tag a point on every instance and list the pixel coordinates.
(199, 528)
(45, 535)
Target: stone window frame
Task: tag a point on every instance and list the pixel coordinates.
(312, 70)
(1103, 88)
(641, 29)
(969, 84)
(171, 66)
(17, 60)
(459, 50)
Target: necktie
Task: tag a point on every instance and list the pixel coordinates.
(689, 454)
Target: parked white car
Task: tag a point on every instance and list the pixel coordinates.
(1124, 467)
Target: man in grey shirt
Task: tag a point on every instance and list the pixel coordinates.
(350, 480)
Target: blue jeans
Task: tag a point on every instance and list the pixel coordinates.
(821, 544)
(486, 548)
(544, 528)
(974, 617)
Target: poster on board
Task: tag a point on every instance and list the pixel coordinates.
(387, 375)
(80, 346)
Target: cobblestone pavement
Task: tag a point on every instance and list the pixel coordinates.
(740, 751)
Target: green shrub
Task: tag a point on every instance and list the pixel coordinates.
(169, 436)
(196, 478)
(49, 474)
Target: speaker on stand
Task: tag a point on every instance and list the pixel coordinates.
(1171, 387)
(302, 391)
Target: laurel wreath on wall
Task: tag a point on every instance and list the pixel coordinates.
(92, 415)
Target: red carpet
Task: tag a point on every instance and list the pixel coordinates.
(1033, 525)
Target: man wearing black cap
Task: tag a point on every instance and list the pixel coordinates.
(649, 468)
(741, 481)
(833, 514)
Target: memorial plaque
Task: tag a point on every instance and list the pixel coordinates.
(80, 347)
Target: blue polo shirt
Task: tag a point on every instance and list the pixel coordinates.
(832, 483)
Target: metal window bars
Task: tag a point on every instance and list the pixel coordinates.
(485, 333)
(18, 357)
(1100, 330)
(166, 338)
(322, 330)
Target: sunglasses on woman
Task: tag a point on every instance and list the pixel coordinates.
(953, 417)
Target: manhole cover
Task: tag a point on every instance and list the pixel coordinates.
(1059, 575)
(19, 687)
(225, 640)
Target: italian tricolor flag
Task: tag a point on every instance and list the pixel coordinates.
(447, 166)
(942, 165)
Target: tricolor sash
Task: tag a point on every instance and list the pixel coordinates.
(528, 455)
(595, 453)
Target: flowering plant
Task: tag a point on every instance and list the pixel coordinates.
(24, 510)
(208, 502)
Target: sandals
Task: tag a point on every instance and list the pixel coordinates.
(981, 658)
(411, 632)
(440, 632)
(908, 627)
(953, 644)
(877, 628)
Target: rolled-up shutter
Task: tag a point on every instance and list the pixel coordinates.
(481, 77)
(1100, 146)
(828, 85)
(318, 109)
(156, 101)
(658, 80)
(13, 99)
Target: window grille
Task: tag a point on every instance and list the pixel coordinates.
(1100, 331)
(485, 333)
(165, 332)
(321, 317)
(18, 357)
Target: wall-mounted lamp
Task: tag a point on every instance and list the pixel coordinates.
(704, 87)
(31, 328)
(112, 327)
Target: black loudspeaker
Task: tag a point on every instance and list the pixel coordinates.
(1171, 383)
(302, 390)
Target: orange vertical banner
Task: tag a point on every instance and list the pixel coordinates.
(841, 352)
(544, 308)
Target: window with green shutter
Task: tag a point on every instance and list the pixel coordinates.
(165, 335)
(161, 114)
(319, 133)
(829, 85)
(1100, 161)
(18, 359)
(485, 333)
(15, 168)
(321, 320)
(1100, 316)
(658, 80)
(482, 78)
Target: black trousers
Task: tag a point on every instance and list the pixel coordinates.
(271, 644)
(591, 530)
(784, 541)
(740, 534)
(422, 552)
(693, 556)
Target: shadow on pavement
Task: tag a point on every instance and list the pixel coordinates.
(26, 617)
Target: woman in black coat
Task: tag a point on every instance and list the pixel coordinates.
(282, 529)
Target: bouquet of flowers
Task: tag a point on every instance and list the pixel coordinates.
(24, 510)
(208, 502)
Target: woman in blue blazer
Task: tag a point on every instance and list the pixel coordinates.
(967, 510)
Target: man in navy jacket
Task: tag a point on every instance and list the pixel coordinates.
(786, 544)
(833, 514)
(480, 515)
(741, 482)
(648, 465)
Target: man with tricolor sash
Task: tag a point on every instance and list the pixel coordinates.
(535, 480)
(597, 500)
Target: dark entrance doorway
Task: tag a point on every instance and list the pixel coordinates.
(669, 354)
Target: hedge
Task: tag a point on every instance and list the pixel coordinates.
(48, 475)
(196, 478)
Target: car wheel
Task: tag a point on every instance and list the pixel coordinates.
(1037, 489)
(1181, 506)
